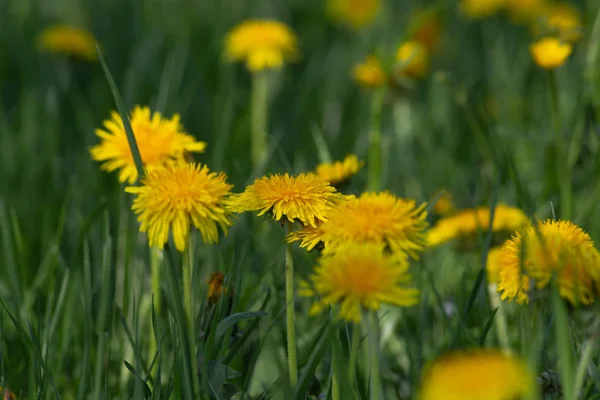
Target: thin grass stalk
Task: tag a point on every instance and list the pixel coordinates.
(188, 303)
(374, 157)
(586, 356)
(563, 345)
(290, 311)
(500, 318)
(259, 115)
(373, 338)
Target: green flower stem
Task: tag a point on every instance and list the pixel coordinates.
(290, 311)
(500, 319)
(563, 169)
(335, 387)
(188, 304)
(155, 261)
(563, 345)
(374, 156)
(258, 138)
(586, 355)
(373, 337)
(354, 344)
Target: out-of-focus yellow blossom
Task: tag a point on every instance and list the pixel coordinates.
(215, 287)
(443, 203)
(557, 250)
(340, 171)
(370, 73)
(494, 260)
(480, 374)
(262, 44)
(428, 30)
(413, 59)
(476, 9)
(524, 10)
(355, 13)
(360, 276)
(561, 20)
(68, 40)
(468, 222)
(550, 52)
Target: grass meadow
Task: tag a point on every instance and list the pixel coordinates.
(88, 310)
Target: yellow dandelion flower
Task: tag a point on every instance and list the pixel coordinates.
(370, 73)
(309, 237)
(355, 13)
(361, 276)
(562, 20)
(68, 40)
(262, 44)
(553, 248)
(468, 222)
(305, 197)
(215, 287)
(524, 10)
(177, 194)
(340, 171)
(379, 218)
(475, 375)
(413, 59)
(429, 29)
(443, 204)
(494, 261)
(476, 9)
(550, 52)
(158, 140)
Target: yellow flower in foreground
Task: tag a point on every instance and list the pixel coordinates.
(360, 276)
(524, 10)
(468, 222)
(494, 262)
(370, 73)
(305, 197)
(480, 8)
(550, 52)
(355, 13)
(562, 20)
(68, 40)
(177, 194)
(564, 250)
(379, 218)
(476, 375)
(158, 140)
(340, 171)
(262, 44)
(413, 59)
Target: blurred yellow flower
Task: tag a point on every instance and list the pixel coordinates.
(340, 171)
(68, 40)
(355, 13)
(476, 375)
(7, 394)
(215, 287)
(494, 260)
(158, 140)
(370, 73)
(476, 9)
(262, 44)
(379, 218)
(175, 194)
(443, 203)
(309, 237)
(562, 20)
(524, 10)
(413, 59)
(360, 276)
(428, 30)
(305, 197)
(468, 222)
(557, 249)
(550, 52)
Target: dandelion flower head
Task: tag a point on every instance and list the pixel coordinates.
(305, 197)
(68, 40)
(177, 195)
(524, 10)
(475, 375)
(552, 248)
(370, 73)
(443, 203)
(340, 171)
(379, 218)
(262, 44)
(550, 52)
(468, 222)
(429, 29)
(562, 20)
(158, 139)
(413, 59)
(493, 265)
(355, 13)
(361, 276)
(476, 9)
(309, 237)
